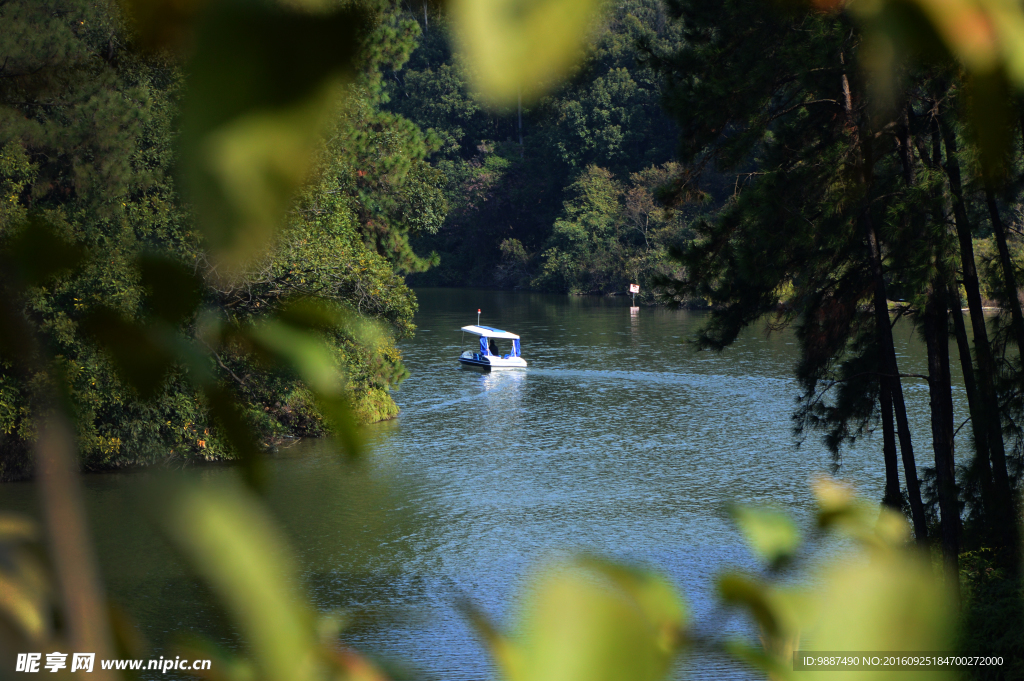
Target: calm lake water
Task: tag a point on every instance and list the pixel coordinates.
(617, 440)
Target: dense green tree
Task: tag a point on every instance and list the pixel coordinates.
(86, 146)
(610, 235)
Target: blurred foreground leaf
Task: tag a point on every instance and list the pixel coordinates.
(234, 545)
(521, 46)
(840, 509)
(140, 353)
(252, 115)
(894, 602)
(174, 289)
(236, 548)
(984, 37)
(37, 252)
(162, 24)
(295, 339)
(25, 592)
(780, 613)
(771, 533)
(592, 620)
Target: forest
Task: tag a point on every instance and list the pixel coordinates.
(207, 250)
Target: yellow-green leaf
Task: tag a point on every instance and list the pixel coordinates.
(259, 95)
(236, 548)
(590, 620)
(521, 47)
(895, 602)
(771, 533)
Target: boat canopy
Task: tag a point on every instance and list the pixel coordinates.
(488, 332)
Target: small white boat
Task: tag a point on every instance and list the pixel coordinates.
(491, 353)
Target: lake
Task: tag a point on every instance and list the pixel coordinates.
(618, 440)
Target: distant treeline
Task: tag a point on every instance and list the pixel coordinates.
(560, 196)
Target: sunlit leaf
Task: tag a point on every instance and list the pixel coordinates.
(521, 46)
(657, 598)
(591, 620)
(963, 26)
(779, 612)
(775, 666)
(252, 115)
(892, 603)
(304, 351)
(326, 315)
(840, 509)
(25, 590)
(505, 652)
(986, 37)
(1007, 19)
(771, 533)
(15, 527)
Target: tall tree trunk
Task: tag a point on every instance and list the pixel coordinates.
(982, 466)
(1002, 518)
(891, 379)
(1009, 277)
(906, 152)
(893, 496)
(887, 350)
(940, 391)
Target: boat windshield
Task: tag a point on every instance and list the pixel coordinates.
(499, 347)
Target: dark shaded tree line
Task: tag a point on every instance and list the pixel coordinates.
(559, 194)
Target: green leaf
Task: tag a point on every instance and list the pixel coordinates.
(771, 533)
(776, 668)
(591, 620)
(260, 91)
(303, 351)
(37, 253)
(840, 509)
(228, 415)
(140, 353)
(25, 591)
(892, 603)
(505, 652)
(308, 355)
(521, 47)
(326, 315)
(236, 548)
(769, 607)
(161, 24)
(174, 290)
